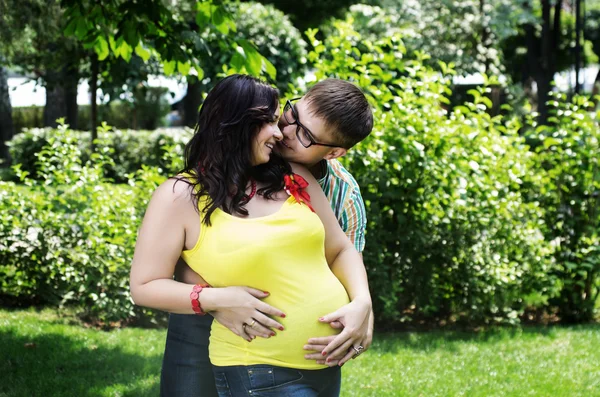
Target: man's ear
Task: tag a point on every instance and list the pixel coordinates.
(335, 153)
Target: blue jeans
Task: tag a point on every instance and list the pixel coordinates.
(186, 369)
(270, 381)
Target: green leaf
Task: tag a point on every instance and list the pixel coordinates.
(199, 71)
(203, 14)
(551, 142)
(220, 20)
(487, 102)
(253, 61)
(126, 51)
(476, 95)
(142, 52)
(169, 67)
(112, 44)
(70, 28)
(238, 60)
(101, 48)
(270, 69)
(183, 68)
(82, 28)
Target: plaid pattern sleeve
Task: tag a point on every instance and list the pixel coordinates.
(347, 204)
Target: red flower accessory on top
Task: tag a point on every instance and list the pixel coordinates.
(294, 186)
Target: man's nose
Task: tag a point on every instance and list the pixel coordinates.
(288, 131)
(282, 123)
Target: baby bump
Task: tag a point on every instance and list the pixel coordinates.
(303, 310)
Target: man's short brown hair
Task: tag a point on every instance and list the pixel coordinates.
(344, 109)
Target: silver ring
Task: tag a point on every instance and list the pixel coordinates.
(358, 350)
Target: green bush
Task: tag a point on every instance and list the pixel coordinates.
(69, 239)
(451, 234)
(129, 149)
(569, 190)
(28, 117)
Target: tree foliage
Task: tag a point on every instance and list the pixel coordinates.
(150, 27)
(272, 33)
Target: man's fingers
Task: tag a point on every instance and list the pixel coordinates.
(325, 340)
(315, 348)
(314, 356)
(341, 351)
(335, 343)
(347, 357)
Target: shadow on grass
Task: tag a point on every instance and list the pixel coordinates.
(58, 365)
(393, 342)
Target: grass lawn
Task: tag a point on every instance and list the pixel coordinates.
(42, 354)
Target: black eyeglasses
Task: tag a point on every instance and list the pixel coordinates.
(303, 134)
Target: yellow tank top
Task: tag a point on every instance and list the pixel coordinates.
(283, 253)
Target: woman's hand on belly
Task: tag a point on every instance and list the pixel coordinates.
(241, 310)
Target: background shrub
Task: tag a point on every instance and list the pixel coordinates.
(69, 238)
(569, 191)
(450, 234)
(129, 149)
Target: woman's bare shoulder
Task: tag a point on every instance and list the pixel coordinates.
(175, 192)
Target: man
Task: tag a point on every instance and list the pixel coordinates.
(333, 116)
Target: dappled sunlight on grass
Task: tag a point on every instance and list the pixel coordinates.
(557, 361)
(48, 355)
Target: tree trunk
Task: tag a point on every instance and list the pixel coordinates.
(56, 106)
(484, 34)
(71, 82)
(549, 49)
(191, 103)
(6, 121)
(578, 29)
(93, 101)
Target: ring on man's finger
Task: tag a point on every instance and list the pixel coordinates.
(251, 325)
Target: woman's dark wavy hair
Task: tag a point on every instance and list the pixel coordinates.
(219, 155)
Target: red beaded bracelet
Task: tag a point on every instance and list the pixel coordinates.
(194, 296)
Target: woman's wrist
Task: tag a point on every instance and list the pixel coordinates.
(208, 299)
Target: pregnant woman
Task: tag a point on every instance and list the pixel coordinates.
(240, 215)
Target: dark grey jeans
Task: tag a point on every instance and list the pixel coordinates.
(271, 381)
(186, 369)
